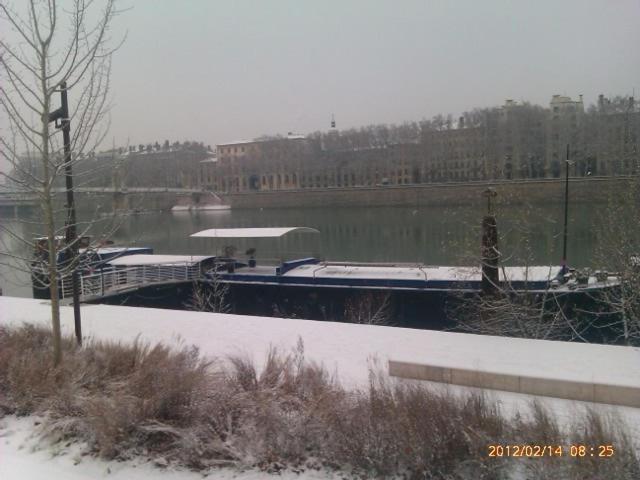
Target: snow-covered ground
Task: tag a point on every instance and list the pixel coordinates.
(23, 457)
(347, 349)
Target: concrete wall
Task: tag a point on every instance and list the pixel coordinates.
(597, 189)
(548, 387)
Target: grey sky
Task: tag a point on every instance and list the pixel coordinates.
(218, 71)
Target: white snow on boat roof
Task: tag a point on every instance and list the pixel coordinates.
(105, 250)
(251, 232)
(145, 259)
(421, 272)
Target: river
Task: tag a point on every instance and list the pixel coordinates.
(435, 236)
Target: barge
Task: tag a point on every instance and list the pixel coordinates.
(403, 294)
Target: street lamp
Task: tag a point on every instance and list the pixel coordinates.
(61, 119)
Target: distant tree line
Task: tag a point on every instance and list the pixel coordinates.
(517, 140)
(167, 164)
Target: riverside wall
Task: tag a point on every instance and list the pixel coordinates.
(594, 392)
(547, 191)
(593, 189)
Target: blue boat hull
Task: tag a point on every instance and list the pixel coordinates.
(408, 308)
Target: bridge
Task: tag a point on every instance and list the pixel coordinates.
(8, 192)
(11, 198)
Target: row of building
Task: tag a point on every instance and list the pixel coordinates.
(515, 141)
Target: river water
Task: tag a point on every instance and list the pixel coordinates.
(435, 236)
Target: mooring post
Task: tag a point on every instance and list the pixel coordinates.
(566, 214)
(490, 255)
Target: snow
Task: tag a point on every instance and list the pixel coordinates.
(418, 272)
(251, 232)
(347, 349)
(258, 140)
(147, 259)
(347, 271)
(23, 456)
(107, 250)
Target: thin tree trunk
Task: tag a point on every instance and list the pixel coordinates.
(53, 282)
(49, 216)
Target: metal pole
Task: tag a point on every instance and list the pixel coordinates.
(71, 235)
(566, 213)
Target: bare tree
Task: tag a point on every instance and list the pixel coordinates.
(370, 308)
(44, 48)
(518, 306)
(619, 248)
(211, 296)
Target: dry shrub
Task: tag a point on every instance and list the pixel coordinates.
(589, 429)
(137, 399)
(596, 430)
(540, 427)
(283, 407)
(408, 429)
(27, 375)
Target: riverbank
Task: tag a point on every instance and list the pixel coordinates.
(548, 191)
(348, 349)
(513, 192)
(335, 407)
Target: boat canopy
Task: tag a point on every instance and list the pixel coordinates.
(251, 232)
(144, 259)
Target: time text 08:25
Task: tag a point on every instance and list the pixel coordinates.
(550, 450)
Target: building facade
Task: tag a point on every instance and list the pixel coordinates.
(514, 141)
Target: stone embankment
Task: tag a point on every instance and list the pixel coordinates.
(545, 191)
(584, 189)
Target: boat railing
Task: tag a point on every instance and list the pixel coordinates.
(373, 264)
(113, 279)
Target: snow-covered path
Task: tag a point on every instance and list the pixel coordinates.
(347, 349)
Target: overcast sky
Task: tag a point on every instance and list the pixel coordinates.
(218, 71)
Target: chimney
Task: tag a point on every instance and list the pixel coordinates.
(601, 103)
(461, 122)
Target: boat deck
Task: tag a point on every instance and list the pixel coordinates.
(412, 276)
(257, 270)
(398, 272)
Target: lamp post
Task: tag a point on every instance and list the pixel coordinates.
(61, 119)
